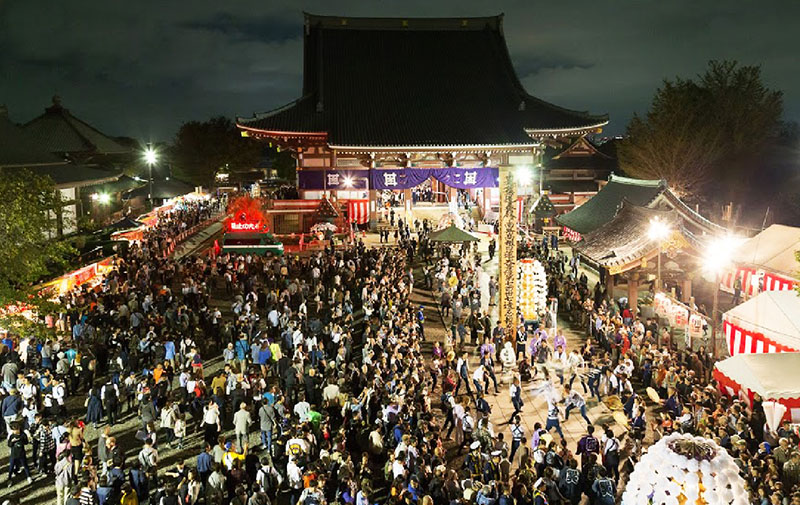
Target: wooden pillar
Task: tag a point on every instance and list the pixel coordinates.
(609, 285)
(408, 205)
(507, 263)
(633, 291)
(686, 289)
(373, 209)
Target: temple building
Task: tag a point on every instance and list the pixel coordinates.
(37, 150)
(576, 173)
(410, 110)
(611, 232)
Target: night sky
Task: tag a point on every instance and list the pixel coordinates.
(141, 68)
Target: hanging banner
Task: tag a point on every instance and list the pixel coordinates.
(454, 177)
(332, 179)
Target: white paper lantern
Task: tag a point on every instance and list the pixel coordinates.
(685, 470)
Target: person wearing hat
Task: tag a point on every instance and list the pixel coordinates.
(474, 461)
(539, 496)
(491, 469)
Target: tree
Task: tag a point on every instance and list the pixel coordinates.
(202, 148)
(712, 128)
(28, 203)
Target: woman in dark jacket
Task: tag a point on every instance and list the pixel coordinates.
(94, 407)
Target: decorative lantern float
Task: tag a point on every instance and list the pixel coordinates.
(532, 292)
(685, 470)
(246, 230)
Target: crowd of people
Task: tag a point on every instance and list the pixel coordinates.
(309, 380)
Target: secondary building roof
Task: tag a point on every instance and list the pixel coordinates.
(58, 131)
(623, 242)
(385, 82)
(603, 206)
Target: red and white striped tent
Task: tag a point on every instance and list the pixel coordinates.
(767, 323)
(358, 211)
(767, 260)
(773, 376)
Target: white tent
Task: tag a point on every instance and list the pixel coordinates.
(772, 376)
(773, 249)
(765, 262)
(769, 322)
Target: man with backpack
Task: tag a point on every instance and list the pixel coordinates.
(312, 495)
(148, 456)
(268, 477)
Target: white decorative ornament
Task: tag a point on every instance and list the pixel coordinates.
(685, 470)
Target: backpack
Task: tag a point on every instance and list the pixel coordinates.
(266, 479)
(146, 459)
(312, 499)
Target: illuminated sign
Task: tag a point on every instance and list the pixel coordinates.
(245, 226)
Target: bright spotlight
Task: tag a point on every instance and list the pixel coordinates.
(104, 198)
(719, 252)
(348, 182)
(659, 230)
(150, 156)
(524, 175)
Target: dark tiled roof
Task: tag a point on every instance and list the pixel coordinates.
(124, 183)
(18, 148)
(58, 131)
(73, 175)
(571, 186)
(162, 189)
(414, 82)
(625, 238)
(603, 206)
(582, 154)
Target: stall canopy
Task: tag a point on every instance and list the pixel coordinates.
(772, 376)
(768, 323)
(452, 234)
(766, 259)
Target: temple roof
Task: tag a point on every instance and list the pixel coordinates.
(58, 131)
(603, 206)
(582, 154)
(75, 175)
(18, 148)
(162, 189)
(386, 82)
(625, 239)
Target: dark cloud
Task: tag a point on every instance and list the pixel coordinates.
(244, 28)
(142, 68)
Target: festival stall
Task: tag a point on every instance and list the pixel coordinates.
(765, 262)
(768, 323)
(775, 377)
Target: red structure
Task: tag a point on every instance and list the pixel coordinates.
(245, 216)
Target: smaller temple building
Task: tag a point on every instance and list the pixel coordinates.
(612, 232)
